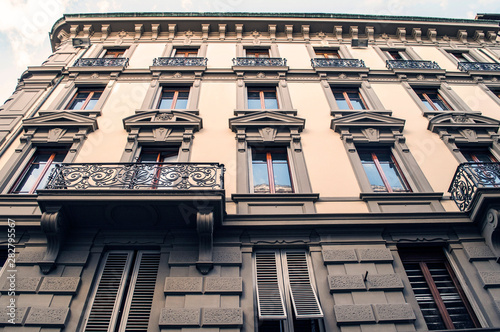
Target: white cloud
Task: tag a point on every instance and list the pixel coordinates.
(187, 4)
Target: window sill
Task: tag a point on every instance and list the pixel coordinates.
(341, 69)
(190, 111)
(251, 111)
(430, 114)
(403, 202)
(177, 68)
(95, 69)
(337, 113)
(286, 203)
(417, 70)
(260, 68)
(90, 113)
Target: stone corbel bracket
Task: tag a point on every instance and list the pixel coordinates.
(53, 227)
(205, 228)
(491, 232)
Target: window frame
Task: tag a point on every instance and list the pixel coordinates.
(345, 92)
(91, 92)
(425, 94)
(253, 52)
(363, 88)
(186, 51)
(326, 52)
(262, 90)
(283, 98)
(115, 52)
(177, 91)
(270, 170)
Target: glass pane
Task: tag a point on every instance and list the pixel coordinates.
(45, 178)
(254, 100)
(29, 179)
(169, 157)
(91, 104)
(77, 104)
(341, 102)
(148, 157)
(182, 100)
(393, 177)
(374, 177)
(282, 183)
(270, 100)
(166, 100)
(260, 177)
(356, 101)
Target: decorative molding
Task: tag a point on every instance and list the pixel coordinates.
(239, 31)
(305, 32)
(155, 31)
(205, 229)
(222, 31)
(180, 317)
(354, 313)
(417, 34)
(346, 283)
(50, 317)
(139, 29)
(289, 32)
(172, 29)
(53, 226)
(462, 36)
(272, 31)
(432, 35)
(183, 285)
(401, 34)
(205, 29)
(398, 312)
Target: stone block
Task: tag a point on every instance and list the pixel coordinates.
(384, 282)
(490, 279)
(183, 257)
(227, 257)
(339, 256)
(222, 317)
(60, 285)
(481, 252)
(223, 285)
(179, 317)
(354, 313)
(73, 257)
(17, 313)
(394, 312)
(375, 255)
(28, 257)
(50, 317)
(22, 285)
(346, 283)
(183, 285)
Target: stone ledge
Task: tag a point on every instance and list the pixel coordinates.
(384, 282)
(346, 283)
(19, 315)
(394, 312)
(73, 258)
(22, 285)
(339, 256)
(30, 257)
(375, 255)
(354, 314)
(478, 253)
(179, 317)
(59, 285)
(222, 317)
(490, 279)
(223, 285)
(183, 285)
(49, 317)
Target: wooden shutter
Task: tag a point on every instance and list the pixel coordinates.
(269, 290)
(107, 296)
(140, 294)
(304, 299)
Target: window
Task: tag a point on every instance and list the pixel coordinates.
(270, 170)
(157, 175)
(257, 53)
(158, 155)
(284, 281)
(327, 54)
(123, 295)
(85, 99)
(461, 56)
(396, 55)
(383, 171)
(173, 99)
(262, 98)
(185, 53)
(437, 290)
(349, 99)
(478, 156)
(114, 53)
(36, 174)
(433, 100)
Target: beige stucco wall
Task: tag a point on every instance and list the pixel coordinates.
(107, 144)
(329, 168)
(57, 93)
(216, 142)
(296, 55)
(433, 54)
(477, 99)
(369, 56)
(220, 55)
(341, 207)
(144, 54)
(430, 152)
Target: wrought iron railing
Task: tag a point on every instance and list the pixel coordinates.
(411, 64)
(101, 62)
(181, 62)
(255, 62)
(485, 66)
(470, 177)
(175, 176)
(341, 63)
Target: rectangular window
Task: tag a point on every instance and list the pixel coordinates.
(185, 53)
(156, 175)
(85, 99)
(114, 53)
(123, 294)
(433, 100)
(478, 155)
(173, 99)
(327, 54)
(397, 55)
(437, 290)
(462, 56)
(383, 171)
(36, 174)
(257, 53)
(262, 98)
(349, 99)
(286, 297)
(271, 172)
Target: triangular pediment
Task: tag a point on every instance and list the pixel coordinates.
(367, 120)
(168, 119)
(462, 121)
(61, 119)
(266, 119)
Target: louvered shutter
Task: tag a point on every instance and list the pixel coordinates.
(269, 291)
(140, 294)
(304, 299)
(109, 292)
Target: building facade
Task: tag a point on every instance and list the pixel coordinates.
(254, 172)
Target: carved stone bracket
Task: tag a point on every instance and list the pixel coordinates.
(205, 228)
(52, 224)
(491, 231)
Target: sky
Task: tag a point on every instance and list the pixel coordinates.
(25, 24)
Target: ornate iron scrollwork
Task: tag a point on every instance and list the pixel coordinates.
(101, 62)
(256, 62)
(411, 64)
(341, 63)
(175, 176)
(482, 66)
(470, 177)
(181, 62)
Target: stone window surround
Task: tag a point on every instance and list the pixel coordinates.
(272, 47)
(472, 51)
(492, 90)
(169, 48)
(155, 89)
(100, 49)
(341, 49)
(371, 100)
(407, 49)
(445, 91)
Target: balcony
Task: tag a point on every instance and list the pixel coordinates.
(259, 62)
(101, 62)
(475, 183)
(411, 64)
(479, 66)
(338, 63)
(180, 62)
